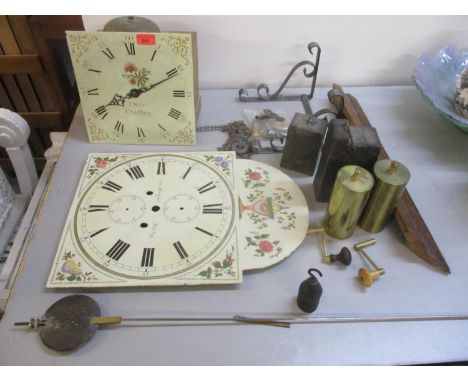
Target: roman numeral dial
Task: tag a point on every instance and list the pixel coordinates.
(207, 187)
(178, 93)
(180, 250)
(98, 207)
(156, 215)
(135, 172)
(117, 250)
(161, 168)
(213, 208)
(101, 111)
(136, 87)
(130, 47)
(111, 186)
(108, 53)
(147, 259)
(174, 113)
(119, 126)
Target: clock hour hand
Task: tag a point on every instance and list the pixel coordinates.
(135, 93)
(118, 100)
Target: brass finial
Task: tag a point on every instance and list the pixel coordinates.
(355, 176)
(393, 167)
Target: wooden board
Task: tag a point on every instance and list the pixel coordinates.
(10, 47)
(26, 43)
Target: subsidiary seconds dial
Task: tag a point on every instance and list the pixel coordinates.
(155, 216)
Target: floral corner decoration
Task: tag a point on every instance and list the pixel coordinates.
(100, 163)
(219, 162)
(219, 269)
(71, 270)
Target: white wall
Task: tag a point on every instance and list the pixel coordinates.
(237, 51)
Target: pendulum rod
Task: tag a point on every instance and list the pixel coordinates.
(282, 322)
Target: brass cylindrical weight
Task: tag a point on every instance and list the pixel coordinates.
(350, 192)
(391, 178)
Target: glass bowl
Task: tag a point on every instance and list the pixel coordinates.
(436, 78)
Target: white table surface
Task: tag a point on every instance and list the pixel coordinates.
(437, 156)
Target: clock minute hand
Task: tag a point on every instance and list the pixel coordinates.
(135, 93)
(118, 100)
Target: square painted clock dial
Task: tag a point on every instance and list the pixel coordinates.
(150, 220)
(136, 88)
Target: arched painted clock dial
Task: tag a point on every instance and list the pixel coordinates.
(155, 216)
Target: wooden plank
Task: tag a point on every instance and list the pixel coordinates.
(13, 91)
(52, 71)
(27, 45)
(20, 64)
(415, 231)
(35, 143)
(45, 120)
(10, 47)
(4, 98)
(54, 27)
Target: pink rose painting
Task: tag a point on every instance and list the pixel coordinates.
(135, 76)
(265, 246)
(130, 67)
(255, 176)
(101, 163)
(262, 246)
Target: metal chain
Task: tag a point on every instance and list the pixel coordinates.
(238, 137)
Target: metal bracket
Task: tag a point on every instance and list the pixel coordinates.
(263, 90)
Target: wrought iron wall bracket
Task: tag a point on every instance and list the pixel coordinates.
(309, 69)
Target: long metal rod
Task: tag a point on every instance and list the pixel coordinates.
(305, 320)
(281, 322)
(240, 319)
